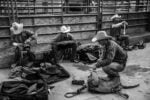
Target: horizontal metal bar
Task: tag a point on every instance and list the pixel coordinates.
(70, 32)
(38, 7)
(50, 15)
(2, 16)
(3, 27)
(145, 18)
(5, 37)
(113, 6)
(144, 24)
(86, 6)
(60, 24)
(105, 14)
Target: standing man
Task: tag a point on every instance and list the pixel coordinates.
(63, 41)
(114, 57)
(116, 31)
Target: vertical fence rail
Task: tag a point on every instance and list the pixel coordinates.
(8, 10)
(0, 6)
(12, 11)
(52, 3)
(62, 12)
(99, 17)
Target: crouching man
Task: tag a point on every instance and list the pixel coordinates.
(114, 57)
(21, 39)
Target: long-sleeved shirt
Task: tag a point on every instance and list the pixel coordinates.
(22, 37)
(115, 31)
(63, 37)
(113, 53)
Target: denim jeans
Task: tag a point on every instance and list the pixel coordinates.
(113, 69)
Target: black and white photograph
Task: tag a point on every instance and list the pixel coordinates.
(74, 49)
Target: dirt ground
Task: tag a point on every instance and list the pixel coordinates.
(137, 71)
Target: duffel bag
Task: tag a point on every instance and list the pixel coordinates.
(22, 90)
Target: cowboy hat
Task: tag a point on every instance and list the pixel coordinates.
(65, 29)
(115, 16)
(101, 35)
(16, 28)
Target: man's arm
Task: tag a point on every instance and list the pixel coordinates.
(109, 58)
(121, 24)
(71, 36)
(56, 39)
(31, 36)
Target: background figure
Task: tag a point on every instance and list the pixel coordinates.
(116, 31)
(22, 39)
(64, 41)
(114, 57)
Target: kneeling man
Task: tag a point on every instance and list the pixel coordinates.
(114, 57)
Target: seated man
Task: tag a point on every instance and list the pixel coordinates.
(64, 40)
(114, 57)
(116, 31)
(21, 37)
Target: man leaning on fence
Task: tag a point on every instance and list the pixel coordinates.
(116, 31)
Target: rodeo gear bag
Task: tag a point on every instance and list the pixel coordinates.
(95, 84)
(89, 53)
(22, 90)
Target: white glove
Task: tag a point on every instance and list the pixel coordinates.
(15, 44)
(28, 41)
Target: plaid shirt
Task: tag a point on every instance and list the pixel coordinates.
(112, 53)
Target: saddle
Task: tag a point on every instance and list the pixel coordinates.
(95, 84)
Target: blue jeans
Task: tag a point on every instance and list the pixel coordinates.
(113, 69)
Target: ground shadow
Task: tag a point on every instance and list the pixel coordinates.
(83, 67)
(130, 70)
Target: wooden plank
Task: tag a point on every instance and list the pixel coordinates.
(4, 43)
(26, 21)
(68, 20)
(47, 21)
(43, 30)
(4, 32)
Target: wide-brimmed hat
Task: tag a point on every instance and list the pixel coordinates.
(101, 35)
(115, 16)
(16, 28)
(65, 29)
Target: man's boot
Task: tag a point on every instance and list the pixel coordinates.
(111, 77)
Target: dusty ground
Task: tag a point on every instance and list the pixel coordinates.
(137, 71)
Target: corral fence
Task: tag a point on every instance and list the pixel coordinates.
(85, 17)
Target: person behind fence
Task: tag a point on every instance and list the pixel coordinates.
(114, 56)
(63, 41)
(20, 37)
(116, 31)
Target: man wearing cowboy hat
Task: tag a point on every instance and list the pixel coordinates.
(114, 57)
(64, 40)
(21, 37)
(116, 31)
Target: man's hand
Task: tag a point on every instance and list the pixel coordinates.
(124, 22)
(92, 68)
(17, 44)
(27, 41)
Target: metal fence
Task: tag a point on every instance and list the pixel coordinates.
(134, 11)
